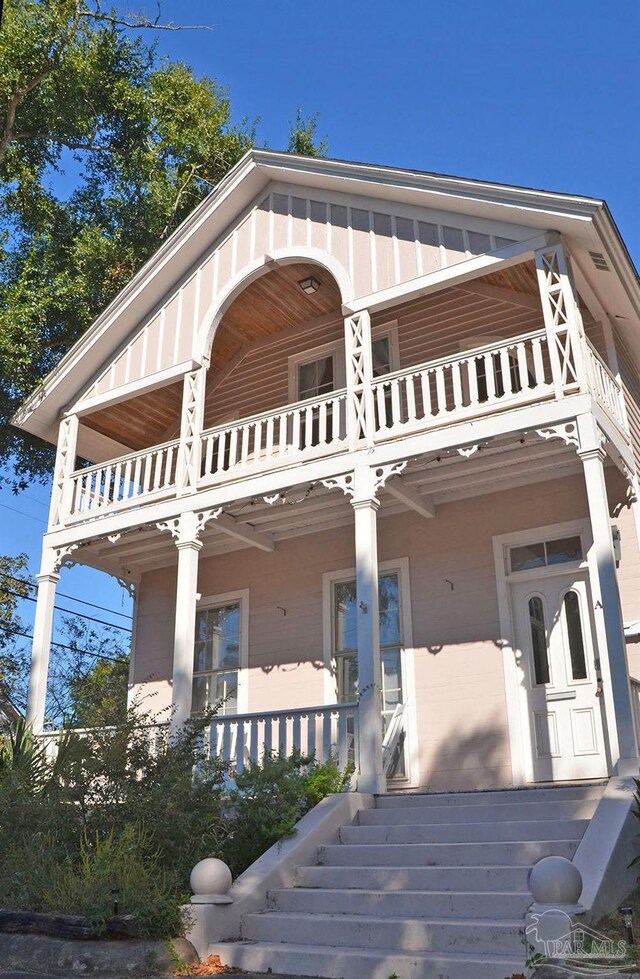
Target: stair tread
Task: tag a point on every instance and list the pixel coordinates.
(326, 916)
(370, 952)
(410, 892)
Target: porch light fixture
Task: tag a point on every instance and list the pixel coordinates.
(309, 285)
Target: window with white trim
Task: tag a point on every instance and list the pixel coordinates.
(217, 660)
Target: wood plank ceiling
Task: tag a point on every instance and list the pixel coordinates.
(268, 305)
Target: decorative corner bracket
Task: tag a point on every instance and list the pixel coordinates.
(346, 483)
(567, 432)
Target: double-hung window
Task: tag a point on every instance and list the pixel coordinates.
(218, 657)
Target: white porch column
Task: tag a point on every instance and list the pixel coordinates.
(562, 318)
(191, 425)
(42, 630)
(371, 777)
(608, 613)
(185, 629)
(64, 466)
(359, 375)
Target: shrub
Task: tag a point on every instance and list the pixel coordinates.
(120, 809)
(124, 867)
(270, 798)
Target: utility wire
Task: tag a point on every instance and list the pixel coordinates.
(70, 611)
(23, 513)
(29, 584)
(61, 645)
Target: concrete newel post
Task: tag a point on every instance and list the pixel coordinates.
(608, 612)
(185, 625)
(42, 631)
(371, 776)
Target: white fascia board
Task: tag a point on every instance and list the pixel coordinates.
(172, 260)
(417, 187)
(570, 215)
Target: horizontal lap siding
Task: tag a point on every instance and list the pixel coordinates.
(458, 679)
(438, 325)
(260, 382)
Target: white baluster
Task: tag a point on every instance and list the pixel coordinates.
(326, 734)
(343, 740)
(425, 385)
(538, 361)
(381, 403)
(254, 751)
(308, 427)
(311, 733)
(146, 480)
(411, 398)
(208, 454)
(222, 441)
(233, 447)
(282, 433)
(137, 468)
(490, 367)
(322, 422)
(396, 409)
(157, 459)
(296, 733)
(523, 369)
(269, 438)
(505, 370)
(441, 390)
(244, 453)
(472, 375)
(457, 384)
(296, 430)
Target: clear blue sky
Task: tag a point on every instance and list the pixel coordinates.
(544, 94)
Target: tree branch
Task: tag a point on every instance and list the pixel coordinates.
(192, 172)
(38, 78)
(140, 22)
(69, 143)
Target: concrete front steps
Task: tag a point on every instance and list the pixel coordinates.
(423, 886)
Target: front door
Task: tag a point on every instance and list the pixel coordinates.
(554, 637)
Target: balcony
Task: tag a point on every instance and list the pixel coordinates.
(487, 380)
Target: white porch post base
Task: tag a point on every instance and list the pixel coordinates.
(184, 636)
(608, 613)
(371, 776)
(42, 630)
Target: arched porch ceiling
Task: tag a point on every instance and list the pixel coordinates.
(270, 304)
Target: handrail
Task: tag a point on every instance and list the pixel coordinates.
(284, 409)
(391, 740)
(603, 365)
(460, 355)
(172, 443)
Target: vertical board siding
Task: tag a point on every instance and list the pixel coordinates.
(377, 248)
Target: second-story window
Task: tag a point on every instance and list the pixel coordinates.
(315, 378)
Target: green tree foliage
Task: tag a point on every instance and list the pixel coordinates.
(104, 149)
(13, 659)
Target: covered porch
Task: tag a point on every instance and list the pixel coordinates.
(275, 619)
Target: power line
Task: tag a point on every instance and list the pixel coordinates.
(61, 608)
(61, 645)
(23, 513)
(72, 598)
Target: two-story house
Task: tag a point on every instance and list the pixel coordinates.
(363, 443)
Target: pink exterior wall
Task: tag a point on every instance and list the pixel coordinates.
(458, 681)
(376, 246)
(439, 325)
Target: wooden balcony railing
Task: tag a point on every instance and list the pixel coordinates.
(320, 732)
(489, 379)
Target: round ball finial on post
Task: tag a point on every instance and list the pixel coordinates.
(556, 881)
(210, 882)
